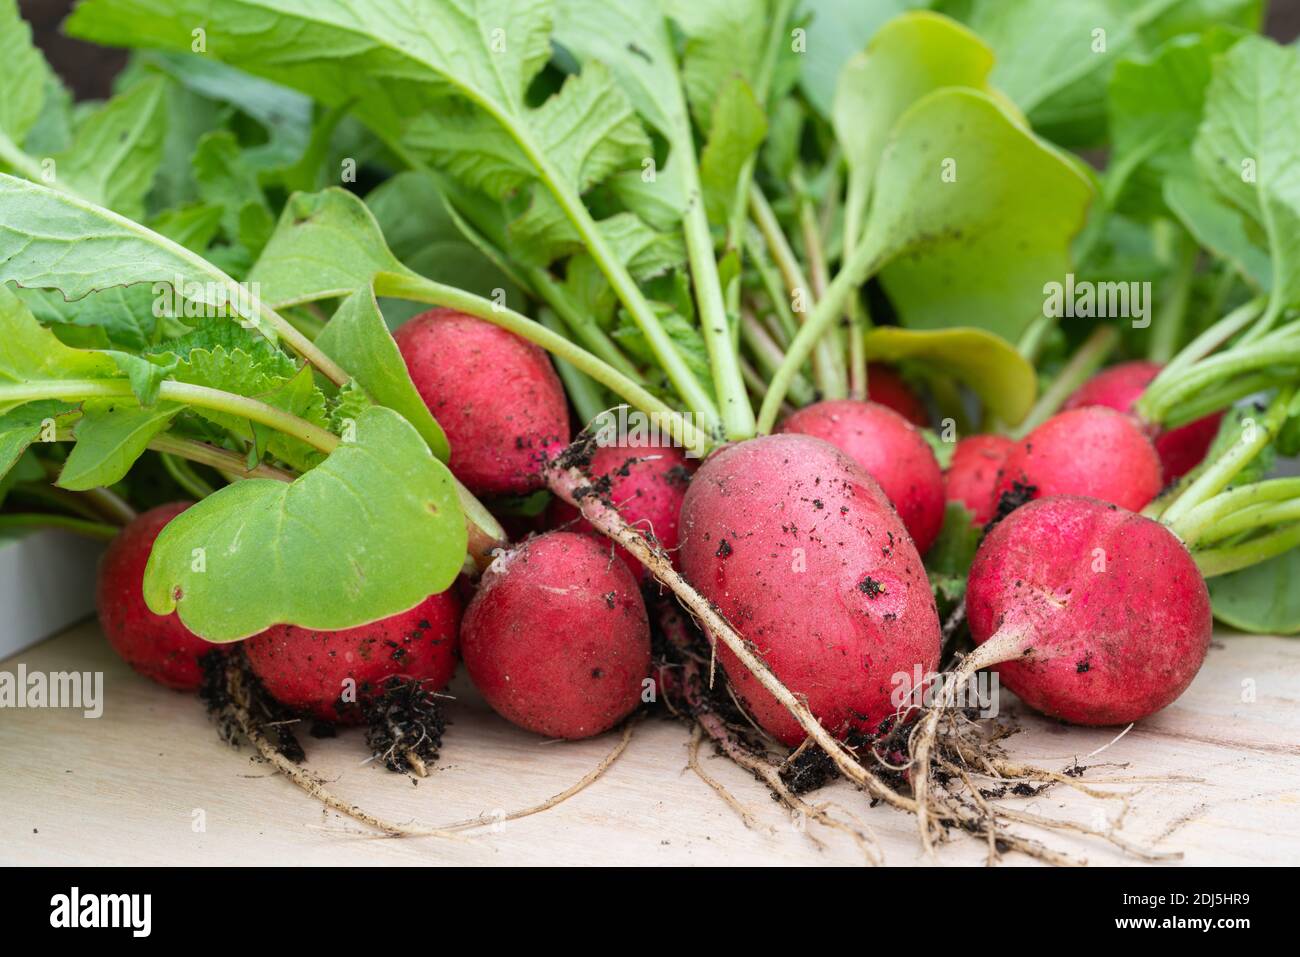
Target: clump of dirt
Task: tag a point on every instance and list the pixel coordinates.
(233, 694)
(1019, 494)
(404, 726)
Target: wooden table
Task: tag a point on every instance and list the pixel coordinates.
(149, 783)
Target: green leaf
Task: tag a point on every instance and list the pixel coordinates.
(326, 245)
(124, 313)
(1261, 599)
(110, 437)
(374, 530)
(22, 426)
(225, 179)
(910, 56)
(725, 41)
(1219, 227)
(1248, 150)
(976, 251)
(23, 76)
(738, 128)
(838, 30)
(117, 150)
(33, 353)
(52, 240)
(995, 371)
(1155, 108)
(193, 226)
(357, 338)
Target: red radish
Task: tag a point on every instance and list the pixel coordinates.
(1097, 615)
(495, 395)
(330, 674)
(799, 549)
(557, 638)
(893, 452)
(647, 484)
(972, 475)
(886, 387)
(1092, 451)
(157, 646)
(1119, 388)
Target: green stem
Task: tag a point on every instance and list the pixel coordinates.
(771, 282)
(1173, 313)
(581, 325)
(73, 390)
(1086, 360)
(1221, 397)
(769, 355)
(418, 289)
(1232, 558)
(1032, 340)
(859, 323)
(100, 531)
(1218, 474)
(1224, 367)
(583, 392)
(223, 460)
(866, 259)
(185, 477)
(836, 384)
(1194, 527)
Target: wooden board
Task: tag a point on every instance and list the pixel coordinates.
(129, 787)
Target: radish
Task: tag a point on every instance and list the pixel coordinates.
(647, 484)
(886, 387)
(972, 475)
(331, 674)
(1092, 613)
(1119, 388)
(797, 546)
(557, 638)
(157, 646)
(892, 451)
(1093, 451)
(496, 396)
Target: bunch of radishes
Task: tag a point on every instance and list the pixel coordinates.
(809, 542)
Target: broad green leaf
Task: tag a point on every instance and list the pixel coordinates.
(837, 30)
(193, 226)
(1219, 227)
(725, 41)
(110, 437)
(973, 215)
(995, 371)
(32, 353)
(224, 178)
(27, 424)
(738, 128)
(374, 530)
(116, 151)
(910, 56)
(23, 77)
(124, 313)
(52, 240)
(1155, 108)
(1261, 599)
(357, 338)
(1248, 150)
(327, 245)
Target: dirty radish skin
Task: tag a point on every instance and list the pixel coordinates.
(973, 474)
(1092, 614)
(157, 646)
(802, 553)
(557, 638)
(496, 396)
(1119, 388)
(1094, 452)
(892, 451)
(647, 484)
(330, 674)
(886, 387)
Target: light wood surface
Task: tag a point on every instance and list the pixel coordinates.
(127, 788)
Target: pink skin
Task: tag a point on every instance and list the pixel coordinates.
(307, 669)
(1119, 388)
(157, 646)
(972, 475)
(893, 452)
(1092, 451)
(557, 638)
(799, 549)
(495, 395)
(647, 483)
(886, 387)
(1103, 611)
